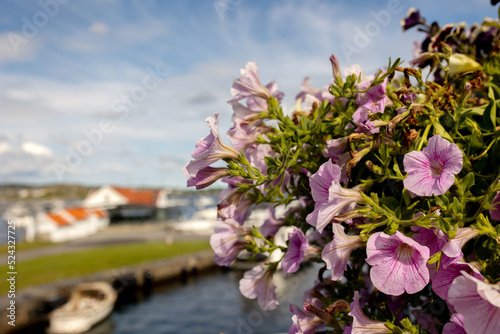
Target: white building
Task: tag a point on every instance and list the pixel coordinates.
(69, 224)
(108, 197)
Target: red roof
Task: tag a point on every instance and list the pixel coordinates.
(139, 197)
(58, 219)
(78, 213)
(99, 213)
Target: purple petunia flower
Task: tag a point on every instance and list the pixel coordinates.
(303, 323)
(206, 177)
(335, 147)
(361, 324)
(431, 171)
(209, 150)
(320, 182)
(453, 248)
(456, 325)
(495, 214)
(478, 302)
(258, 283)
(441, 282)
(426, 320)
(362, 120)
(374, 99)
(398, 262)
(336, 253)
(242, 134)
(331, 199)
(306, 89)
(232, 202)
(412, 19)
(249, 86)
(432, 237)
(226, 241)
(272, 224)
(296, 252)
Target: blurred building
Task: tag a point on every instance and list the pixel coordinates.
(129, 204)
(61, 224)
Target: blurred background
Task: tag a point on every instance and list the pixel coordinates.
(101, 103)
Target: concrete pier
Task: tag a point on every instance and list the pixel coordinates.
(34, 303)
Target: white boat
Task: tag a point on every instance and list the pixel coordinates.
(201, 223)
(89, 304)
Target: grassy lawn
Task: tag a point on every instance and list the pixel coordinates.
(54, 267)
(28, 245)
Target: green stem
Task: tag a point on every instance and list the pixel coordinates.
(424, 137)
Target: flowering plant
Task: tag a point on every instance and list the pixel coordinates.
(391, 181)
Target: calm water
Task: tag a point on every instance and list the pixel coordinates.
(209, 304)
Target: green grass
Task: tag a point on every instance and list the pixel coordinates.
(55, 267)
(28, 245)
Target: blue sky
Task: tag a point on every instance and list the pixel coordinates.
(118, 92)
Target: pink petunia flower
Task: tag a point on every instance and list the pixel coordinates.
(306, 89)
(340, 200)
(232, 202)
(336, 253)
(206, 177)
(226, 241)
(374, 99)
(296, 252)
(331, 199)
(320, 183)
(209, 150)
(242, 134)
(361, 324)
(358, 71)
(426, 320)
(303, 323)
(495, 213)
(398, 262)
(443, 279)
(272, 224)
(258, 283)
(249, 86)
(362, 120)
(478, 302)
(335, 147)
(431, 171)
(432, 237)
(456, 325)
(260, 105)
(453, 248)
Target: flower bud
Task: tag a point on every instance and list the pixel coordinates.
(335, 67)
(339, 305)
(460, 63)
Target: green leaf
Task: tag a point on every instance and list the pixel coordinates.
(467, 182)
(457, 207)
(391, 202)
(440, 130)
(444, 224)
(406, 196)
(490, 113)
(476, 111)
(396, 169)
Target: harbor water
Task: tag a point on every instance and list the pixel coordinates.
(210, 303)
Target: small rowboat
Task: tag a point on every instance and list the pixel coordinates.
(89, 304)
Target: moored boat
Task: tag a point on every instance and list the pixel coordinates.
(89, 304)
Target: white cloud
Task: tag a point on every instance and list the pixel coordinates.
(36, 149)
(114, 167)
(98, 28)
(15, 48)
(4, 147)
